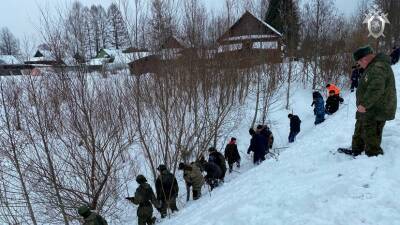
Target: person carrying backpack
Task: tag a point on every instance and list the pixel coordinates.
(213, 174)
(258, 145)
(167, 190)
(219, 159)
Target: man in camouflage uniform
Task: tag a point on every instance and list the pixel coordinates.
(376, 101)
(91, 218)
(144, 197)
(167, 190)
(193, 178)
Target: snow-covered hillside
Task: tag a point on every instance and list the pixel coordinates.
(308, 184)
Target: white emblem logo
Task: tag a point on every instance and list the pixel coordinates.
(376, 21)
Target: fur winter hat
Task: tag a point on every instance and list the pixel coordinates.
(362, 52)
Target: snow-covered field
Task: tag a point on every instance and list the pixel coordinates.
(308, 184)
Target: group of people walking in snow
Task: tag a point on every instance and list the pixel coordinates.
(376, 103)
(329, 107)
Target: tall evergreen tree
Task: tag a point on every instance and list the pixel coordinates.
(284, 16)
(98, 23)
(118, 32)
(274, 14)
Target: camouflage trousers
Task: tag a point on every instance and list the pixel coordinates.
(145, 215)
(368, 137)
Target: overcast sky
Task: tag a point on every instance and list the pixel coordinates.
(20, 16)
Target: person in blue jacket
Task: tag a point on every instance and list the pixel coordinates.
(319, 107)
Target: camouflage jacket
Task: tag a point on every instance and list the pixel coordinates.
(144, 196)
(377, 91)
(193, 177)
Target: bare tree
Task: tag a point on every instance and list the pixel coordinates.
(318, 19)
(9, 44)
(11, 140)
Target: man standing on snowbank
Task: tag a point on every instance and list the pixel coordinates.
(376, 101)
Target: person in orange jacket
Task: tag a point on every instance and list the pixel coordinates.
(332, 87)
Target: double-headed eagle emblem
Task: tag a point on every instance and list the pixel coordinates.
(376, 21)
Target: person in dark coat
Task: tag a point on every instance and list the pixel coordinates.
(145, 198)
(332, 103)
(167, 190)
(258, 145)
(219, 159)
(232, 154)
(355, 76)
(266, 132)
(213, 174)
(395, 55)
(294, 127)
(319, 108)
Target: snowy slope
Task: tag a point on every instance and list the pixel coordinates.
(308, 184)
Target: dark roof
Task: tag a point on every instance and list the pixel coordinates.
(172, 42)
(250, 26)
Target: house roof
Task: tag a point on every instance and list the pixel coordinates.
(42, 55)
(118, 57)
(172, 42)
(248, 26)
(9, 59)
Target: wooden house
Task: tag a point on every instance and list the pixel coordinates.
(169, 54)
(250, 41)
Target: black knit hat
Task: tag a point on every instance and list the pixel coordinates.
(141, 179)
(161, 167)
(212, 149)
(362, 52)
(181, 166)
(251, 131)
(233, 139)
(290, 115)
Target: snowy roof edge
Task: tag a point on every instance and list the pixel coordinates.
(266, 24)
